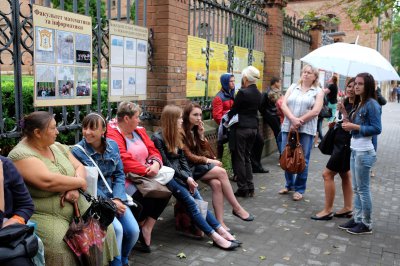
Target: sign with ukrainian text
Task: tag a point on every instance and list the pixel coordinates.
(218, 66)
(196, 67)
(258, 62)
(240, 62)
(62, 57)
(128, 62)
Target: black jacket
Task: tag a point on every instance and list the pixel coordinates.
(247, 103)
(176, 161)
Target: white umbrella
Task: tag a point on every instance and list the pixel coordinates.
(350, 59)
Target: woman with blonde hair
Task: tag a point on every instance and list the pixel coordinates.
(301, 106)
(205, 166)
(183, 186)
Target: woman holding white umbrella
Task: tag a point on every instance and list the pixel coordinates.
(301, 106)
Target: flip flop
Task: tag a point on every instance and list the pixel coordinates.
(297, 196)
(284, 191)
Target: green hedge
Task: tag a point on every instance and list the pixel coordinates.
(8, 102)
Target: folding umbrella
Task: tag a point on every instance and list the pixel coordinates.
(350, 59)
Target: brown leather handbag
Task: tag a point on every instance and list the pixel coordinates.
(149, 187)
(292, 159)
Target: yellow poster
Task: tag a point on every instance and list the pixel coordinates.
(240, 61)
(128, 47)
(218, 66)
(196, 67)
(258, 62)
(63, 57)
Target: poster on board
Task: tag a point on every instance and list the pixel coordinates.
(128, 64)
(62, 57)
(240, 61)
(218, 66)
(258, 62)
(196, 67)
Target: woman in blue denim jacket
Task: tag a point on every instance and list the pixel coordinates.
(365, 122)
(105, 153)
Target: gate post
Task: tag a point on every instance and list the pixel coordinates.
(273, 40)
(166, 81)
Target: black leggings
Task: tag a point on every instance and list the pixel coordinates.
(151, 207)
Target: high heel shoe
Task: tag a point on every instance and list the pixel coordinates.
(248, 219)
(141, 245)
(231, 247)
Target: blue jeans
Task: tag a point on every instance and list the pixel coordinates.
(279, 142)
(360, 166)
(333, 107)
(127, 233)
(297, 182)
(181, 193)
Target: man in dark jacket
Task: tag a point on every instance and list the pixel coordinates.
(246, 106)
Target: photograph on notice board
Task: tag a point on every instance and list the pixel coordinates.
(141, 53)
(83, 81)
(45, 81)
(65, 77)
(129, 81)
(83, 48)
(44, 52)
(130, 52)
(117, 50)
(117, 76)
(65, 47)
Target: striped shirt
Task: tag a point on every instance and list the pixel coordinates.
(300, 103)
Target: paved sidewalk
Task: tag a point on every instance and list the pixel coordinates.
(284, 234)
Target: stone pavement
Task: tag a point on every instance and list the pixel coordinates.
(284, 234)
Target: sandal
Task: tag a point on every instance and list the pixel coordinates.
(284, 191)
(297, 196)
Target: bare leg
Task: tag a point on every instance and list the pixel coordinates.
(220, 174)
(347, 192)
(147, 228)
(217, 200)
(329, 185)
(221, 241)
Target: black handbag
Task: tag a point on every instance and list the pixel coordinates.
(17, 240)
(328, 141)
(325, 112)
(101, 208)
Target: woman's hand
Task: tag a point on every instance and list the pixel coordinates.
(192, 184)
(121, 208)
(71, 196)
(215, 162)
(200, 130)
(347, 126)
(296, 122)
(152, 170)
(83, 182)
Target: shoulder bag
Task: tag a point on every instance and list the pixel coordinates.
(149, 187)
(292, 159)
(328, 141)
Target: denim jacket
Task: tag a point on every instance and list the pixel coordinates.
(110, 164)
(369, 118)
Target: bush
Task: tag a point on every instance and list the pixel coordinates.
(8, 102)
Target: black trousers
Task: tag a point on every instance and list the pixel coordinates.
(244, 140)
(151, 207)
(256, 151)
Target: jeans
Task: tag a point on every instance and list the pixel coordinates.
(319, 128)
(127, 233)
(297, 182)
(333, 107)
(360, 166)
(181, 193)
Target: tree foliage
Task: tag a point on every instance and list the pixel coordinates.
(395, 49)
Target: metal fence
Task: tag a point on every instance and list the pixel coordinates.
(231, 22)
(296, 44)
(16, 53)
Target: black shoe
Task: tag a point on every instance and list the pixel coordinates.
(327, 217)
(260, 170)
(251, 193)
(242, 193)
(248, 219)
(350, 224)
(236, 241)
(348, 214)
(360, 229)
(231, 247)
(141, 244)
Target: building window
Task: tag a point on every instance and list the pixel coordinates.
(330, 25)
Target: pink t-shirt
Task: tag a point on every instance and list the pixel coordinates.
(137, 148)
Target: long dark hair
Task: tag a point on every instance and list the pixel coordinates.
(93, 121)
(36, 120)
(191, 140)
(369, 87)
